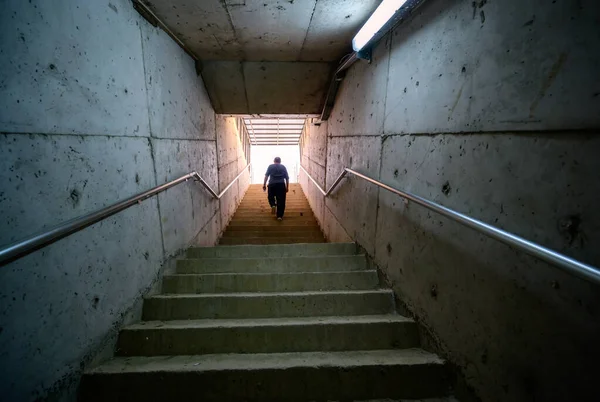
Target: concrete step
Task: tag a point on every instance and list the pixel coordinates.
(265, 204)
(405, 373)
(267, 212)
(268, 305)
(268, 240)
(269, 224)
(270, 282)
(270, 221)
(446, 399)
(274, 227)
(263, 198)
(249, 203)
(293, 250)
(279, 335)
(272, 264)
(290, 217)
(282, 232)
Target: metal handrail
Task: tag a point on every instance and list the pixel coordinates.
(567, 264)
(24, 247)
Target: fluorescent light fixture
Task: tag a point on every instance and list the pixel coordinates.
(380, 17)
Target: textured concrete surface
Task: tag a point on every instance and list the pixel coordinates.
(360, 103)
(266, 57)
(231, 161)
(314, 157)
(270, 282)
(350, 202)
(185, 209)
(272, 264)
(534, 193)
(256, 30)
(248, 329)
(514, 65)
(271, 87)
(294, 376)
(196, 337)
(262, 305)
(95, 106)
(56, 76)
(177, 101)
(296, 250)
(59, 304)
(470, 89)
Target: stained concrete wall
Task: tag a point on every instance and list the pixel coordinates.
(489, 108)
(233, 157)
(96, 105)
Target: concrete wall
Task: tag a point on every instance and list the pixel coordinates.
(489, 108)
(232, 145)
(96, 105)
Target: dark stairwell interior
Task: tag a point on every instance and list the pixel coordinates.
(489, 108)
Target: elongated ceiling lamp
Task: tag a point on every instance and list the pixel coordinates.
(380, 17)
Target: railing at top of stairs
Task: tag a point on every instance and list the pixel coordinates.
(24, 247)
(567, 264)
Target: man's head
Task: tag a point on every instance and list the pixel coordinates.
(277, 160)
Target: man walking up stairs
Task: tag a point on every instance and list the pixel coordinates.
(279, 185)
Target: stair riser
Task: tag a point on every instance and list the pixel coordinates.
(253, 205)
(267, 306)
(290, 213)
(274, 265)
(291, 384)
(267, 224)
(264, 233)
(267, 208)
(260, 205)
(268, 339)
(274, 251)
(268, 240)
(224, 283)
(274, 227)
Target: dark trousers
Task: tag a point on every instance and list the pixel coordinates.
(277, 197)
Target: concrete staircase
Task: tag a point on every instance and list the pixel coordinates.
(254, 224)
(293, 322)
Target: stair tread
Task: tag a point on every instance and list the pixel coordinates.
(268, 322)
(266, 274)
(270, 294)
(266, 246)
(282, 259)
(448, 399)
(267, 361)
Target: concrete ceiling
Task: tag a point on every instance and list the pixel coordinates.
(266, 56)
